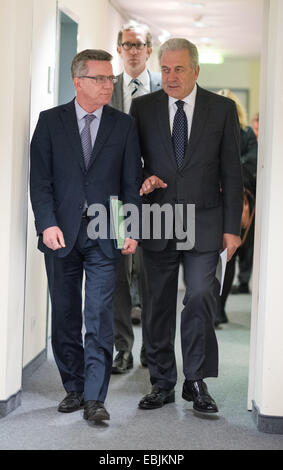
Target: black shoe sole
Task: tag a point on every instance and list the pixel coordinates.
(77, 408)
(121, 371)
(144, 364)
(144, 406)
(189, 397)
(97, 418)
(199, 410)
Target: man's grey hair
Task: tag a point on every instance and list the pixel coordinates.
(137, 27)
(177, 44)
(79, 64)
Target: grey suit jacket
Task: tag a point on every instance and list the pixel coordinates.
(117, 100)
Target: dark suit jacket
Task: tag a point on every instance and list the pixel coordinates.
(59, 184)
(117, 100)
(210, 177)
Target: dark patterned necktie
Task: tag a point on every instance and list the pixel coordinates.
(136, 83)
(180, 133)
(86, 139)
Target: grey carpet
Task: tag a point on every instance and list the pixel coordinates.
(36, 425)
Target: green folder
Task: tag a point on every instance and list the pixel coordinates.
(117, 221)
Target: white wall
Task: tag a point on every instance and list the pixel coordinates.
(266, 359)
(99, 24)
(15, 47)
(42, 97)
(234, 73)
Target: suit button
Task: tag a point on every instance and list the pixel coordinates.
(86, 183)
(80, 206)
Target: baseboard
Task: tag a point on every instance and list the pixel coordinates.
(9, 405)
(267, 424)
(33, 365)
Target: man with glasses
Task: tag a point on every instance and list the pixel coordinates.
(82, 153)
(134, 45)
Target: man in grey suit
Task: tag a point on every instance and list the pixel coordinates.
(134, 45)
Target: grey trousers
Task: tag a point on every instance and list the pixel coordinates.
(128, 293)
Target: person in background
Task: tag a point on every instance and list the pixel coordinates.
(189, 141)
(244, 254)
(82, 153)
(255, 124)
(134, 46)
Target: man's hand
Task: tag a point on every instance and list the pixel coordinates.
(53, 238)
(231, 242)
(152, 183)
(129, 247)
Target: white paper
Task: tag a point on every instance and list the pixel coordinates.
(221, 268)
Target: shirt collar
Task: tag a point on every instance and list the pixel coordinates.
(143, 78)
(190, 99)
(82, 112)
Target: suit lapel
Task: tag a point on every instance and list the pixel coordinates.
(155, 81)
(162, 112)
(199, 119)
(117, 99)
(105, 128)
(69, 118)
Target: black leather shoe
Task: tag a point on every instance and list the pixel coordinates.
(198, 393)
(240, 289)
(143, 357)
(73, 401)
(95, 411)
(221, 318)
(157, 398)
(122, 362)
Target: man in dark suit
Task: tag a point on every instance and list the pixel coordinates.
(190, 145)
(134, 45)
(82, 153)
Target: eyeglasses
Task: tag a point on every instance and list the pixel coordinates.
(101, 79)
(138, 45)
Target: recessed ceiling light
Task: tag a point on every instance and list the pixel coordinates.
(199, 24)
(206, 40)
(164, 36)
(197, 4)
(197, 21)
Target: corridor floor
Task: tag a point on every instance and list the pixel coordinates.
(36, 424)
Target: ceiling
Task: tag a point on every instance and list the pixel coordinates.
(231, 27)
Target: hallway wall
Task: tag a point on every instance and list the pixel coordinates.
(234, 73)
(15, 47)
(43, 61)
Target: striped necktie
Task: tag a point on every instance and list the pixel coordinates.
(86, 139)
(180, 133)
(136, 84)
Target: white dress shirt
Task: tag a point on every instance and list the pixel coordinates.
(189, 107)
(128, 87)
